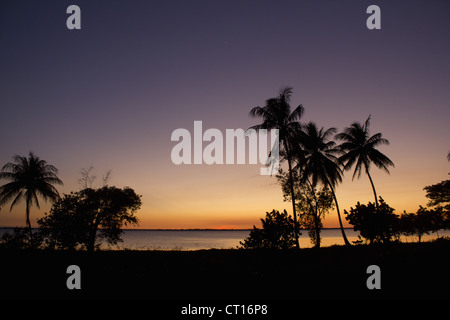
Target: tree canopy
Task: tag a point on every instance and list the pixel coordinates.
(30, 177)
(375, 225)
(313, 203)
(79, 216)
(277, 232)
(439, 194)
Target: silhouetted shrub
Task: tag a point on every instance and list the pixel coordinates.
(375, 225)
(424, 221)
(20, 239)
(277, 232)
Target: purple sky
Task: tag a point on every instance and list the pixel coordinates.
(110, 94)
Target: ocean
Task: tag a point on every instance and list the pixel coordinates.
(219, 239)
(210, 239)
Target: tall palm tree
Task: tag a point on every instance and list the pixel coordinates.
(30, 177)
(359, 148)
(276, 114)
(320, 163)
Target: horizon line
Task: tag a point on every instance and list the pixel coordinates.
(185, 229)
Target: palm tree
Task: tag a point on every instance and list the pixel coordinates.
(29, 178)
(320, 163)
(276, 114)
(359, 148)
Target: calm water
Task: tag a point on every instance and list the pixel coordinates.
(208, 239)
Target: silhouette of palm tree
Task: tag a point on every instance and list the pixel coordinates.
(277, 114)
(320, 163)
(29, 178)
(360, 148)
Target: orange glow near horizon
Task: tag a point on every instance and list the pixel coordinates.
(228, 197)
(110, 95)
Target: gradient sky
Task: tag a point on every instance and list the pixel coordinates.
(110, 95)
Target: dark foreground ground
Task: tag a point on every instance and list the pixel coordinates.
(408, 271)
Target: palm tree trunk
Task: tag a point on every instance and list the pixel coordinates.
(347, 243)
(28, 222)
(291, 185)
(373, 188)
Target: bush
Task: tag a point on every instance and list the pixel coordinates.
(424, 221)
(375, 225)
(20, 239)
(277, 232)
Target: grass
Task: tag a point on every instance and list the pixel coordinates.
(408, 271)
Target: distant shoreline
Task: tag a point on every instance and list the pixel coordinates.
(187, 229)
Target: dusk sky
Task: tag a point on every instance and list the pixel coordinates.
(111, 94)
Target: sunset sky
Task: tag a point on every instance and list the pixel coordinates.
(111, 94)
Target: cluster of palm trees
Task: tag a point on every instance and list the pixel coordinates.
(306, 148)
(313, 152)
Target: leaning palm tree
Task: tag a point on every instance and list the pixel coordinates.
(320, 163)
(276, 114)
(29, 178)
(359, 148)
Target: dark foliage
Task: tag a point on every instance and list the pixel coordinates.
(424, 221)
(375, 225)
(277, 232)
(319, 163)
(439, 194)
(276, 114)
(29, 178)
(20, 239)
(76, 219)
(313, 203)
(331, 273)
(359, 149)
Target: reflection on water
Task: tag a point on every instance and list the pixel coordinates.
(220, 239)
(224, 239)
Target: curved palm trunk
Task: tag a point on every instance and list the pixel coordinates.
(291, 184)
(28, 222)
(373, 188)
(347, 243)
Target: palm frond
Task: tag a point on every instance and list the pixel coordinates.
(257, 112)
(296, 114)
(359, 164)
(9, 190)
(321, 161)
(29, 177)
(380, 160)
(367, 124)
(284, 94)
(17, 199)
(276, 115)
(376, 140)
